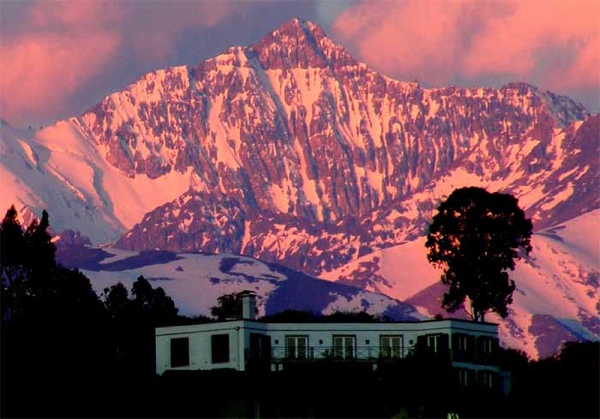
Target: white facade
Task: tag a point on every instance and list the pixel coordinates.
(233, 344)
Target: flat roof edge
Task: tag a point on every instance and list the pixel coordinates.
(411, 322)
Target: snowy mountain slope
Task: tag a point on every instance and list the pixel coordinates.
(297, 137)
(401, 271)
(58, 169)
(292, 152)
(293, 127)
(557, 285)
(195, 281)
(565, 188)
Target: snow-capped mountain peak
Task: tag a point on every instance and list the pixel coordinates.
(291, 151)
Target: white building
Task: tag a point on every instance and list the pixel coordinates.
(240, 344)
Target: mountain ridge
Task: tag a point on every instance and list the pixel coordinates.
(290, 151)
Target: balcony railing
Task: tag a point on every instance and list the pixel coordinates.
(358, 353)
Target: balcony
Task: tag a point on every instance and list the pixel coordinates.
(328, 353)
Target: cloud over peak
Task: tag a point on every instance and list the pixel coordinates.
(66, 46)
(551, 43)
(59, 57)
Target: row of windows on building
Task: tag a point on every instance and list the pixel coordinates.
(180, 350)
(392, 346)
(344, 347)
(296, 347)
(465, 347)
(469, 378)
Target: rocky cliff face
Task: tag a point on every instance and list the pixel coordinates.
(302, 154)
(292, 152)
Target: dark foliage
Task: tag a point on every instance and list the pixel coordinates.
(53, 325)
(299, 316)
(566, 385)
(65, 353)
(132, 323)
(476, 237)
(228, 306)
(350, 317)
(291, 316)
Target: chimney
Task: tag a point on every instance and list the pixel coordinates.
(248, 305)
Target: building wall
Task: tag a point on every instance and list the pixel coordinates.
(320, 339)
(200, 345)
(321, 336)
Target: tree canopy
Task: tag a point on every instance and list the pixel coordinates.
(476, 237)
(228, 305)
(31, 281)
(55, 325)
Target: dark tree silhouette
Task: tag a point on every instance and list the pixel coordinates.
(153, 303)
(41, 250)
(476, 237)
(52, 325)
(228, 305)
(292, 316)
(13, 271)
(350, 317)
(116, 300)
(11, 236)
(27, 265)
(62, 348)
(133, 320)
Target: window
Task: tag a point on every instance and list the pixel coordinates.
(463, 347)
(487, 346)
(296, 346)
(465, 377)
(391, 346)
(260, 346)
(433, 343)
(486, 379)
(343, 347)
(180, 352)
(462, 343)
(486, 349)
(219, 345)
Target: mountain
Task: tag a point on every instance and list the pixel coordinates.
(195, 281)
(557, 297)
(301, 143)
(59, 170)
(547, 310)
(292, 152)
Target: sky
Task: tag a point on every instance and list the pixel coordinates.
(58, 58)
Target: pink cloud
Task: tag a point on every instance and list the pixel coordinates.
(68, 45)
(554, 44)
(69, 14)
(521, 42)
(155, 27)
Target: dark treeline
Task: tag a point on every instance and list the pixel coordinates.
(67, 352)
(566, 385)
(230, 306)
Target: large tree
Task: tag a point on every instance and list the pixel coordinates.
(132, 323)
(27, 266)
(13, 272)
(476, 237)
(52, 326)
